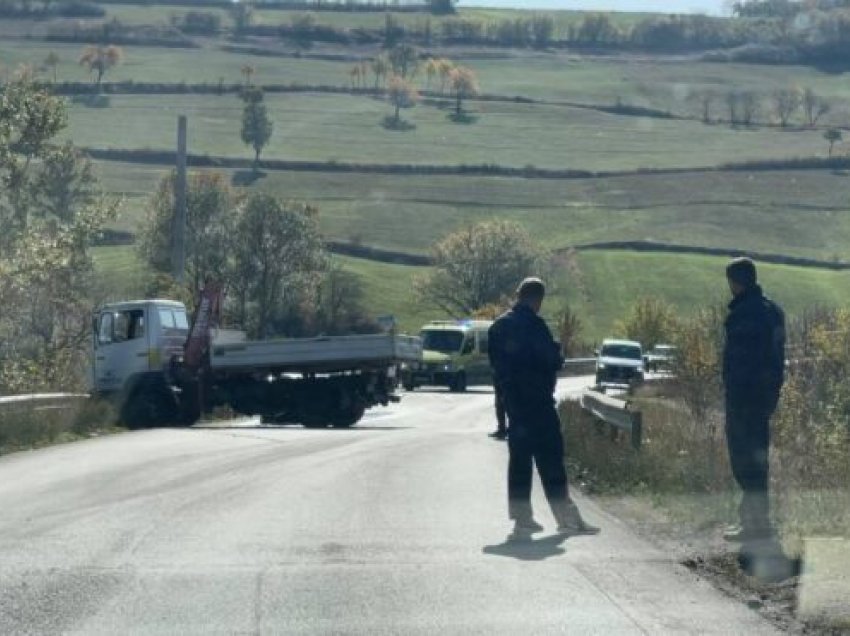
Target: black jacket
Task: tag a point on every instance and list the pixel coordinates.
(524, 356)
(754, 352)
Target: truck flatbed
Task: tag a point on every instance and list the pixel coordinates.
(315, 355)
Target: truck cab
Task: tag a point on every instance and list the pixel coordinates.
(134, 342)
(454, 354)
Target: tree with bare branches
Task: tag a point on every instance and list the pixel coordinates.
(814, 107)
(786, 102)
(51, 62)
(380, 67)
(247, 72)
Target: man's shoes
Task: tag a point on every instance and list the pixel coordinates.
(499, 435)
(523, 529)
(571, 523)
(767, 562)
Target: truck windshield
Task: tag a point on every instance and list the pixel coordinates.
(621, 351)
(442, 341)
(173, 319)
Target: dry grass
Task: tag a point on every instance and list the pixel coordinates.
(24, 429)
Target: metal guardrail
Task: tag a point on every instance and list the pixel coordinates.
(615, 413)
(578, 366)
(40, 401)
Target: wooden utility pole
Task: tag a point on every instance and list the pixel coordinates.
(178, 228)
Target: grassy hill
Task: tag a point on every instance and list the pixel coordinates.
(608, 283)
(344, 128)
(599, 285)
(800, 213)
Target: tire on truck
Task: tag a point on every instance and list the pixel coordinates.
(148, 403)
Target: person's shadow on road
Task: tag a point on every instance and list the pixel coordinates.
(530, 550)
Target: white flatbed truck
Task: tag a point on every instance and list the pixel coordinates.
(159, 369)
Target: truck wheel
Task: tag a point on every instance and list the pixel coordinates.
(458, 384)
(346, 418)
(189, 410)
(147, 407)
(408, 387)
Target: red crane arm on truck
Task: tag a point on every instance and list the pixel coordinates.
(207, 316)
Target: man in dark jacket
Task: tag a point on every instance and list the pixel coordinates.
(525, 360)
(753, 373)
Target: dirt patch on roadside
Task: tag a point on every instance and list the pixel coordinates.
(703, 551)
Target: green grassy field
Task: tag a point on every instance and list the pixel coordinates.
(610, 282)
(795, 213)
(600, 287)
(326, 127)
(802, 213)
(662, 83)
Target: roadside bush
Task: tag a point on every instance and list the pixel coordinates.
(650, 321)
(684, 449)
(199, 23)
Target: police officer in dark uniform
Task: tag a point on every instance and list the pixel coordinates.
(525, 360)
(753, 373)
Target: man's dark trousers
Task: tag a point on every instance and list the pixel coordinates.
(501, 414)
(748, 439)
(535, 439)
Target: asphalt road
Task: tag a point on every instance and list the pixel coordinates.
(397, 526)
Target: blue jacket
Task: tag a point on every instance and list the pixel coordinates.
(525, 358)
(754, 352)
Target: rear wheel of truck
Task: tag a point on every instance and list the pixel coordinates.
(148, 406)
(348, 417)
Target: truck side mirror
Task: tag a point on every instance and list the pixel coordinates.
(94, 330)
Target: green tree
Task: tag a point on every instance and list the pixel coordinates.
(441, 7)
(833, 136)
(65, 184)
(404, 60)
(393, 31)
(210, 215)
(241, 13)
(277, 255)
(45, 265)
(341, 304)
(542, 30)
(478, 266)
(650, 321)
(402, 94)
(256, 125)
